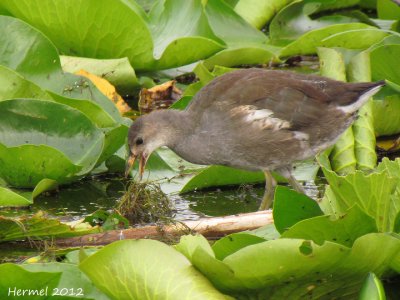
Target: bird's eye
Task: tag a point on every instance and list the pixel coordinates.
(139, 141)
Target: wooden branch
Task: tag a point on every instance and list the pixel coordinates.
(211, 228)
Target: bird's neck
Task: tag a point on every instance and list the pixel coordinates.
(178, 131)
(173, 125)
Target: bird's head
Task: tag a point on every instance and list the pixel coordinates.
(145, 135)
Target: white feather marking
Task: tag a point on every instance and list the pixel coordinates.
(262, 118)
(257, 115)
(301, 136)
(349, 109)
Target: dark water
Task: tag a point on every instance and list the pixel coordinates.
(82, 198)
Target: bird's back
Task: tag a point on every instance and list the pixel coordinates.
(283, 114)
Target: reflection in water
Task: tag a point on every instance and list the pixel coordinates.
(225, 202)
(86, 196)
(235, 200)
(76, 200)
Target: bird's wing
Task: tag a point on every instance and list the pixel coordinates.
(266, 99)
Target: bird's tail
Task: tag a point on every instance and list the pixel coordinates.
(361, 93)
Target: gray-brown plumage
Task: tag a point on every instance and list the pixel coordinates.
(254, 119)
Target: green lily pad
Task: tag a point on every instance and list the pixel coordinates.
(245, 44)
(293, 268)
(149, 42)
(308, 42)
(388, 10)
(267, 232)
(39, 227)
(363, 128)
(43, 139)
(36, 122)
(189, 243)
(71, 29)
(342, 157)
(234, 242)
(91, 109)
(14, 278)
(294, 20)
(13, 197)
(373, 193)
(386, 115)
(240, 55)
(13, 85)
(25, 166)
(383, 63)
(352, 225)
(118, 71)
(10, 198)
(72, 279)
(355, 39)
(114, 138)
(168, 169)
(232, 29)
(372, 289)
(257, 12)
(175, 43)
(146, 267)
(32, 55)
(291, 207)
(220, 176)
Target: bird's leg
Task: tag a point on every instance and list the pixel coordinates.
(269, 191)
(287, 173)
(298, 187)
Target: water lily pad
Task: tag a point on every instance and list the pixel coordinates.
(308, 42)
(235, 56)
(72, 279)
(234, 242)
(291, 207)
(386, 114)
(294, 20)
(372, 288)
(292, 268)
(75, 32)
(13, 85)
(43, 139)
(10, 198)
(355, 39)
(14, 197)
(175, 43)
(388, 10)
(342, 157)
(14, 278)
(257, 12)
(245, 44)
(352, 225)
(146, 267)
(359, 70)
(25, 166)
(39, 227)
(32, 55)
(157, 41)
(220, 176)
(383, 63)
(118, 71)
(373, 193)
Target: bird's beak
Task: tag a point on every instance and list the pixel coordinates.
(131, 161)
(129, 164)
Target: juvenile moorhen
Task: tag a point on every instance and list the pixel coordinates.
(254, 119)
